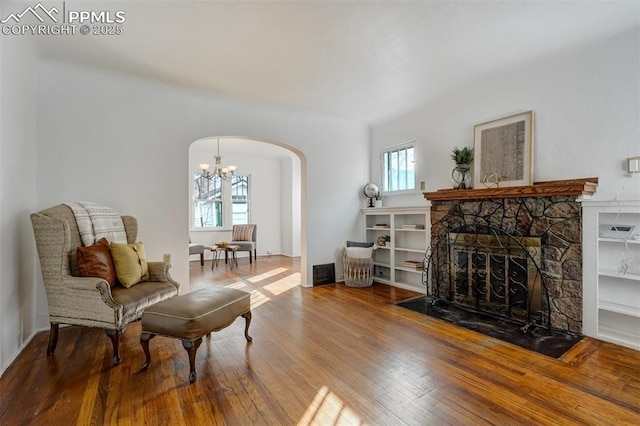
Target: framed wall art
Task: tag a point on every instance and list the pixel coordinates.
(503, 151)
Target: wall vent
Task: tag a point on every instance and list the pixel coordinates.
(324, 274)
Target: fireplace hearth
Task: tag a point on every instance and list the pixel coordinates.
(548, 342)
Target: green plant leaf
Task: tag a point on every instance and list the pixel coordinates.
(462, 156)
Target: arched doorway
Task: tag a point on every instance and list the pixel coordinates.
(276, 176)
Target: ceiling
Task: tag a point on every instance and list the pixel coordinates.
(364, 61)
(246, 148)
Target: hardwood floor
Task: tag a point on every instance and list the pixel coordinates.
(324, 355)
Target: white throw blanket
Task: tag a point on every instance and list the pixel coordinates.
(95, 222)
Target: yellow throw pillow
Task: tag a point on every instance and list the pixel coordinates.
(130, 261)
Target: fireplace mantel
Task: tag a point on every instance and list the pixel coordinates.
(578, 187)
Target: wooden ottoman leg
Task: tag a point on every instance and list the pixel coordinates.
(144, 341)
(247, 317)
(192, 348)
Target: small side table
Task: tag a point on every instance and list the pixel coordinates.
(226, 249)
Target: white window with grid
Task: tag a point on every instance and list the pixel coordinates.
(207, 201)
(218, 203)
(240, 199)
(399, 168)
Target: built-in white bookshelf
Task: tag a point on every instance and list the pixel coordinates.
(410, 231)
(611, 273)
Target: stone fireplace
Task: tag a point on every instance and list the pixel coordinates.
(513, 252)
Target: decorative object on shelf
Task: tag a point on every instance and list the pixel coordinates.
(371, 191)
(381, 226)
(223, 172)
(383, 239)
(378, 202)
(412, 226)
(413, 264)
(461, 174)
(492, 180)
(621, 232)
(505, 147)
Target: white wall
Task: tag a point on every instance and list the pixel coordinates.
(265, 198)
(18, 83)
(124, 142)
(290, 201)
(587, 118)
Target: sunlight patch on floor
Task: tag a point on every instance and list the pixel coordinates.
(264, 276)
(237, 284)
(284, 284)
(258, 299)
(327, 409)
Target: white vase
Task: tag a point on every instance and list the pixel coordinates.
(377, 203)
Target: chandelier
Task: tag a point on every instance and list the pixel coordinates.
(223, 172)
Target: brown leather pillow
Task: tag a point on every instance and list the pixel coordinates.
(96, 261)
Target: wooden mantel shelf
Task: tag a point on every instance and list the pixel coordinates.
(578, 187)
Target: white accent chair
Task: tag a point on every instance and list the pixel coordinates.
(196, 249)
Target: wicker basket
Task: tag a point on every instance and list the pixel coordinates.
(357, 272)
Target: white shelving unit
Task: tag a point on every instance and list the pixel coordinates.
(611, 296)
(408, 243)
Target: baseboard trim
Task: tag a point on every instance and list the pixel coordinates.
(245, 255)
(26, 343)
(20, 349)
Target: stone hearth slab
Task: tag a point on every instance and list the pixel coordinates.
(552, 343)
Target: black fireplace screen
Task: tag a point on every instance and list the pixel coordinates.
(483, 269)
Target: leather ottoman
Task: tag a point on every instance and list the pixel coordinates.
(191, 316)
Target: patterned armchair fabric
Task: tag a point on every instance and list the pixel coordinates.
(88, 301)
(244, 236)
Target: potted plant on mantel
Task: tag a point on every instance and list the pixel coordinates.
(461, 174)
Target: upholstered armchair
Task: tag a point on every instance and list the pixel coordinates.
(357, 259)
(197, 249)
(244, 236)
(87, 301)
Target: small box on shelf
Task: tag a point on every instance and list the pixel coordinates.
(380, 226)
(416, 226)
